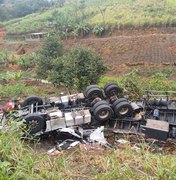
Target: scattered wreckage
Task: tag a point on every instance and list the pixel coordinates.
(84, 114)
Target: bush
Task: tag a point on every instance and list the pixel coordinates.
(82, 30)
(132, 83)
(28, 61)
(52, 49)
(98, 30)
(8, 76)
(79, 68)
(52, 46)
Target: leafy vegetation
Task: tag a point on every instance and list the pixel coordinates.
(17, 8)
(15, 90)
(98, 30)
(136, 84)
(4, 58)
(109, 14)
(77, 68)
(52, 49)
(20, 161)
(29, 61)
(11, 76)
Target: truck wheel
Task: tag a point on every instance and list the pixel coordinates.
(35, 123)
(32, 100)
(98, 104)
(93, 93)
(112, 89)
(90, 87)
(103, 112)
(123, 110)
(119, 101)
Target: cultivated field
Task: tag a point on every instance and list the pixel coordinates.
(133, 49)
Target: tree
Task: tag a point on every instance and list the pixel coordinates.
(78, 68)
(59, 20)
(59, 3)
(52, 49)
(77, 10)
(19, 8)
(102, 10)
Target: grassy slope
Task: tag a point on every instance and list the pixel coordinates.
(19, 161)
(118, 14)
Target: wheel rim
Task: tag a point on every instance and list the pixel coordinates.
(33, 124)
(104, 114)
(113, 92)
(123, 111)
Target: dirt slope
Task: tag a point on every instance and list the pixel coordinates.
(2, 34)
(127, 48)
(149, 49)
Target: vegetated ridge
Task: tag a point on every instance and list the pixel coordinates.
(96, 14)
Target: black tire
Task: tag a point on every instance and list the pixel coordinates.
(98, 104)
(123, 110)
(32, 100)
(90, 87)
(112, 89)
(108, 84)
(103, 112)
(35, 123)
(93, 93)
(119, 101)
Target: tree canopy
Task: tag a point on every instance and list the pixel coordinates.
(78, 68)
(18, 8)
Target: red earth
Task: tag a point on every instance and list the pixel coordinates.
(124, 49)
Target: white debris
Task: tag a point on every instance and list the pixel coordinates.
(98, 136)
(122, 141)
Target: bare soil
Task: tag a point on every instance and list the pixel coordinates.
(123, 49)
(123, 52)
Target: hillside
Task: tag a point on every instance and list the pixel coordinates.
(10, 9)
(130, 49)
(109, 14)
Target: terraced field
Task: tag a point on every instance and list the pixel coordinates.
(159, 49)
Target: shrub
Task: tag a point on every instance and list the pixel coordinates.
(132, 83)
(98, 30)
(28, 61)
(11, 76)
(82, 30)
(52, 49)
(79, 68)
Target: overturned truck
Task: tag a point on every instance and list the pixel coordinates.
(154, 115)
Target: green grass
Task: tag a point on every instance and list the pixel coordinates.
(20, 161)
(118, 14)
(15, 90)
(136, 84)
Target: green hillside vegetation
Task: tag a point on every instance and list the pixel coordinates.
(18, 8)
(108, 14)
